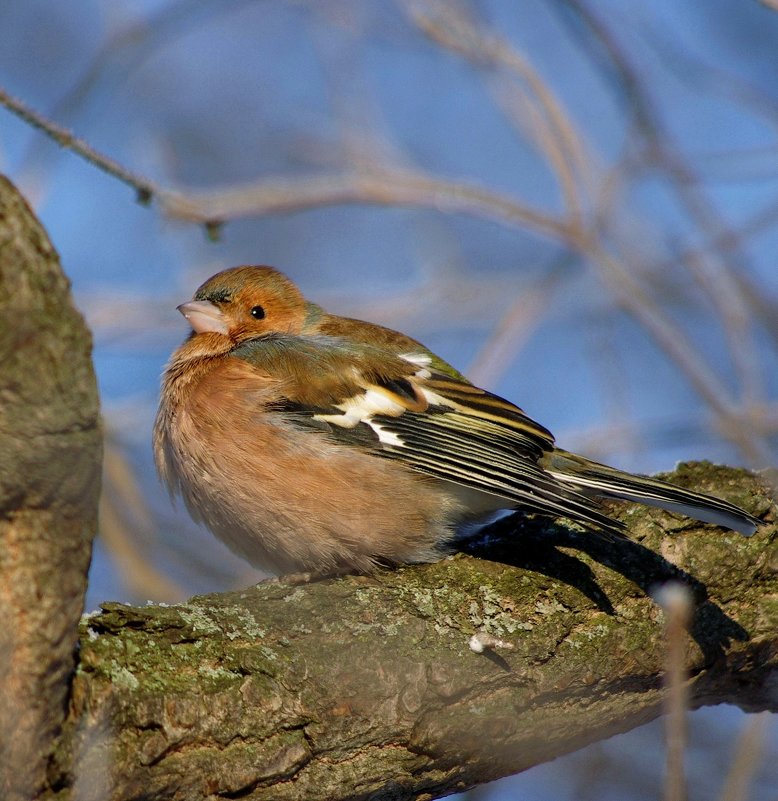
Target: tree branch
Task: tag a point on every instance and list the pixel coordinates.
(365, 687)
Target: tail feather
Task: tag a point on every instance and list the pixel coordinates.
(607, 482)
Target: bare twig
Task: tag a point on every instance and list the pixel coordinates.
(676, 602)
(512, 332)
(378, 186)
(144, 188)
(679, 348)
(749, 751)
(715, 271)
(122, 497)
(553, 130)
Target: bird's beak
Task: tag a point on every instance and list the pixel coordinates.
(204, 316)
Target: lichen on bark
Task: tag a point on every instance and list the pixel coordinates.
(365, 687)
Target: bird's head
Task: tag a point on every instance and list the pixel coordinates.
(245, 303)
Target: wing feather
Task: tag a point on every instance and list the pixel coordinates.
(429, 444)
(433, 422)
(483, 406)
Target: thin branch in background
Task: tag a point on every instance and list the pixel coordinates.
(123, 50)
(716, 273)
(512, 331)
(677, 605)
(554, 133)
(382, 186)
(749, 750)
(636, 300)
(125, 521)
(144, 188)
(376, 186)
(607, 363)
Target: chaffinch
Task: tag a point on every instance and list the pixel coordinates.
(311, 442)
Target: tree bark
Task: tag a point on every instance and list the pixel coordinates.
(365, 687)
(50, 447)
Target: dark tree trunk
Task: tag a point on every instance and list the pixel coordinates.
(50, 449)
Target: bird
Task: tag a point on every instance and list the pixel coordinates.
(314, 443)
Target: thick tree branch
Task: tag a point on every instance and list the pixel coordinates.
(49, 482)
(365, 687)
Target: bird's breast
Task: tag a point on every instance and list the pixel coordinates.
(286, 498)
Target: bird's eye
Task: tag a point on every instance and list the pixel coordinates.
(257, 312)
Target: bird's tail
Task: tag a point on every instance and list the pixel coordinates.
(592, 478)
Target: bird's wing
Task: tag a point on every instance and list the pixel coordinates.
(401, 408)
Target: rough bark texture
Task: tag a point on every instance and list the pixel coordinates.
(50, 449)
(364, 686)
